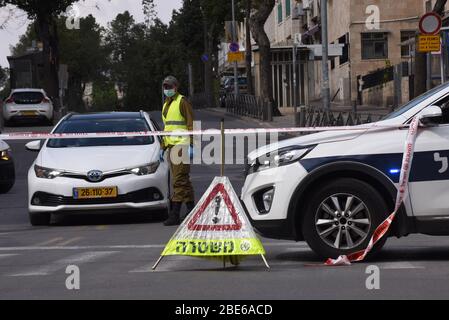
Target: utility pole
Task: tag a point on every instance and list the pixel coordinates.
(234, 39)
(325, 66)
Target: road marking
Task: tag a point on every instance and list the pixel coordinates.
(77, 259)
(70, 241)
(399, 266)
(112, 247)
(7, 255)
(51, 241)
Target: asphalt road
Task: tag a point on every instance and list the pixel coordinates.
(115, 255)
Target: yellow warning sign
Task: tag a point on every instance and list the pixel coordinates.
(236, 56)
(428, 43)
(216, 228)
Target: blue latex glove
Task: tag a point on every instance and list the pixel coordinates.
(161, 155)
(191, 152)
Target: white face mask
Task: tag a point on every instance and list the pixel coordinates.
(170, 93)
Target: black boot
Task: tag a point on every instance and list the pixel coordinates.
(190, 206)
(173, 216)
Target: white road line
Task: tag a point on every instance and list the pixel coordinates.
(399, 266)
(77, 259)
(70, 241)
(7, 255)
(147, 246)
(48, 242)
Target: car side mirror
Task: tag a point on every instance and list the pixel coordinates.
(34, 146)
(431, 115)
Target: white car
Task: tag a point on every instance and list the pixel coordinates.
(98, 174)
(27, 104)
(7, 172)
(332, 189)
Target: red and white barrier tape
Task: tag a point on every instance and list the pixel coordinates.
(211, 132)
(381, 230)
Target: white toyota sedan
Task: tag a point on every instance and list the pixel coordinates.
(98, 174)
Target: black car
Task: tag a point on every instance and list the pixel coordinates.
(7, 171)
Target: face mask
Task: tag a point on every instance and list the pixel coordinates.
(170, 93)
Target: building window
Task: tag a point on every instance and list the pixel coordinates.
(280, 12)
(344, 40)
(407, 36)
(374, 45)
(288, 8)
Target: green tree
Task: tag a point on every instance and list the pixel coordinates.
(44, 14)
(261, 10)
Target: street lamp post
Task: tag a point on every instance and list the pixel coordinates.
(325, 42)
(234, 39)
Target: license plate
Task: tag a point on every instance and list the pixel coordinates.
(29, 113)
(95, 193)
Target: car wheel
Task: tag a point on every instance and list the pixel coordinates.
(40, 218)
(162, 214)
(7, 186)
(341, 217)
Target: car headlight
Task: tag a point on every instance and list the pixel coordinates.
(5, 155)
(146, 170)
(280, 158)
(46, 173)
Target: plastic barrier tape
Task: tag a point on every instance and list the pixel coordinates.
(212, 132)
(381, 230)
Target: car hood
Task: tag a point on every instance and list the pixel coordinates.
(3, 145)
(319, 138)
(104, 159)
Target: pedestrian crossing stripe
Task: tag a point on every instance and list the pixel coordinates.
(216, 228)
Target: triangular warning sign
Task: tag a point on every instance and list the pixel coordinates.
(216, 227)
(215, 199)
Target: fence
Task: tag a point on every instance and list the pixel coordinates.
(315, 117)
(249, 106)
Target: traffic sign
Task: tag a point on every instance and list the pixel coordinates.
(430, 24)
(236, 57)
(234, 47)
(429, 43)
(216, 228)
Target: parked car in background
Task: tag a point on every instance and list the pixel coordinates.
(7, 172)
(27, 104)
(227, 87)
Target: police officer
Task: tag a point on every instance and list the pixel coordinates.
(177, 115)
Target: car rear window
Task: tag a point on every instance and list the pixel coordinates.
(101, 126)
(28, 97)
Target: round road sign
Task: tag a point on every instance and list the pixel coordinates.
(234, 47)
(430, 23)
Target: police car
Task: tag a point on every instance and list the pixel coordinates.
(333, 189)
(7, 172)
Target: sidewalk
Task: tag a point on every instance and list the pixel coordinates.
(287, 120)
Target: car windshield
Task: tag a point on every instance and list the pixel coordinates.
(101, 126)
(27, 97)
(410, 105)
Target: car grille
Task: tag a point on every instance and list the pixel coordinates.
(52, 200)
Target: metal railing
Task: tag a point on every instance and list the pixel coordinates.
(248, 106)
(315, 117)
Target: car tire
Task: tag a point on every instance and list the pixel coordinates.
(40, 218)
(162, 214)
(317, 225)
(7, 186)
